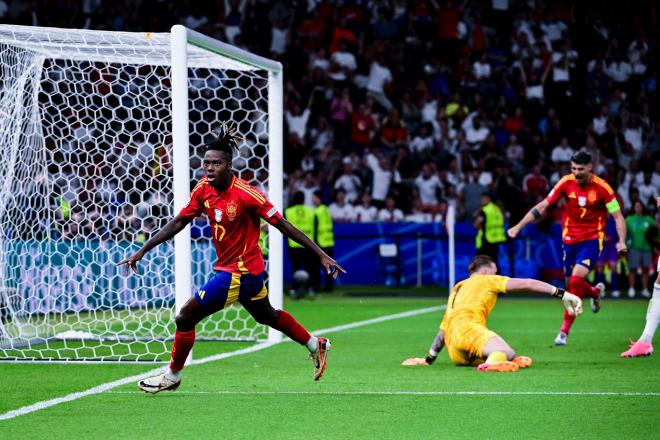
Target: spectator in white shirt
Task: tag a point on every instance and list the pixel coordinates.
(637, 50)
(476, 133)
(349, 183)
(481, 68)
(633, 134)
(514, 151)
(417, 214)
(296, 120)
(619, 70)
(390, 213)
(647, 191)
(563, 62)
(379, 78)
(422, 142)
(383, 176)
(599, 122)
(341, 211)
(553, 27)
(428, 184)
(562, 152)
(308, 188)
(343, 63)
(365, 212)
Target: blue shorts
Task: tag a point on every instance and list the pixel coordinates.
(585, 253)
(224, 288)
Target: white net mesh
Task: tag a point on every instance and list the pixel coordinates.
(85, 169)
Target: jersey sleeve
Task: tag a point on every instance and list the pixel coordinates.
(557, 192)
(609, 197)
(257, 201)
(195, 206)
(497, 283)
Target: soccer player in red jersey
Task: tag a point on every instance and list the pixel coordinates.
(234, 209)
(588, 201)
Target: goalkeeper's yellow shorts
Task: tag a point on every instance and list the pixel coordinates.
(466, 341)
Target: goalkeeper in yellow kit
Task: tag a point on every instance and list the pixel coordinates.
(463, 328)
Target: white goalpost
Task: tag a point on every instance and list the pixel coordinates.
(100, 136)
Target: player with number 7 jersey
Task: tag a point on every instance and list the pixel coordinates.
(588, 201)
(234, 209)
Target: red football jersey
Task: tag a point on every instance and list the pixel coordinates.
(585, 211)
(234, 215)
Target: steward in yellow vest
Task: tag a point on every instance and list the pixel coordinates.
(490, 225)
(302, 259)
(325, 236)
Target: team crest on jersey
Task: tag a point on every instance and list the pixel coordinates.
(232, 211)
(571, 195)
(582, 201)
(592, 196)
(218, 215)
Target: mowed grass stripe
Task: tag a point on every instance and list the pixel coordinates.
(414, 393)
(124, 381)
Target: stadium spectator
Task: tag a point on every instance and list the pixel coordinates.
(341, 211)
(428, 186)
(365, 212)
(390, 213)
(383, 175)
(349, 183)
(639, 247)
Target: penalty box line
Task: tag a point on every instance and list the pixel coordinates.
(116, 383)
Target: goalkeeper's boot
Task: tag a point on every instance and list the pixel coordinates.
(595, 302)
(499, 367)
(156, 384)
(319, 357)
(561, 339)
(639, 348)
(522, 361)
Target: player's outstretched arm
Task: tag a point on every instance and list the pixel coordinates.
(172, 228)
(290, 231)
(436, 347)
(572, 303)
(534, 214)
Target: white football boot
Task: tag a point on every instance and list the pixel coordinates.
(156, 384)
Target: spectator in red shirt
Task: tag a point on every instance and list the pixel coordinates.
(516, 122)
(362, 128)
(393, 133)
(536, 184)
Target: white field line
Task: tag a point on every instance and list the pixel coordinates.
(416, 393)
(119, 382)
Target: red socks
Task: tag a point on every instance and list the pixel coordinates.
(183, 343)
(567, 323)
(579, 286)
(288, 325)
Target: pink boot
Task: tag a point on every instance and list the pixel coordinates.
(639, 348)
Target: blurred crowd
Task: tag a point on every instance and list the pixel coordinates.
(398, 109)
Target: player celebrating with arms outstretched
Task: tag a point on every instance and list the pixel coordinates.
(234, 209)
(588, 201)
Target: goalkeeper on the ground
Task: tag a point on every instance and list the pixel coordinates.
(463, 328)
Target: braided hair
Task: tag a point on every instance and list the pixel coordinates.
(227, 139)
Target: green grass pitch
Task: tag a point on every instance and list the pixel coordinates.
(583, 390)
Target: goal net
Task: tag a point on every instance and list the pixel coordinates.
(100, 136)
